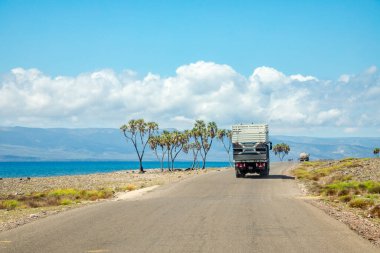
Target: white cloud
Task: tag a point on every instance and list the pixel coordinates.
(268, 75)
(371, 70)
(344, 78)
(302, 78)
(204, 90)
(330, 115)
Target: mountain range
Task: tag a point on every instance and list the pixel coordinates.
(64, 144)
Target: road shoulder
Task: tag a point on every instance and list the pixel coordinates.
(366, 227)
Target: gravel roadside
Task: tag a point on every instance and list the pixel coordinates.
(117, 181)
(356, 219)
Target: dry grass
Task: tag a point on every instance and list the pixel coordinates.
(53, 198)
(362, 203)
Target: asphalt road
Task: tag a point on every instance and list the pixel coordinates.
(211, 213)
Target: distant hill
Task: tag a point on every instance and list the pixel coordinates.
(61, 144)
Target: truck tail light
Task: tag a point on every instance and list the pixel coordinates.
(260, 165)
(240, 165)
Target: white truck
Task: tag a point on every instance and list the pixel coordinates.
(251, 148)
(304, 157)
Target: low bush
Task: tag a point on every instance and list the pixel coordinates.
(64, 192)
(316, 170)
(360, 202)
(301, 173)
(54, 198)
(345, 198)
(35, 203)
(334, 180)
(9, 204)
(330, 191)
(65, 202)
(340, 188)
(131, 187)
(374, 189)
(375, 211)
(343, 192)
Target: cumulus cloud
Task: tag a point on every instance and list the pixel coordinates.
(200, 90)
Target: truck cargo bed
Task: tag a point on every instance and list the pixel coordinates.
(250, 133)
(250, 156)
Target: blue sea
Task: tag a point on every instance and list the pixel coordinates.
(47, 169)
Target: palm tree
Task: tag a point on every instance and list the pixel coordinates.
(178, 141)
(167, 142)
(281, 150)
(157, 144)
(205, 136)
(193, 145)
(139, 132)
(225, 135)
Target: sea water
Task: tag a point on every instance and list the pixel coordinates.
(46, 169)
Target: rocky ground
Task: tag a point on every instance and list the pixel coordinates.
(117, 181)
(316, 178)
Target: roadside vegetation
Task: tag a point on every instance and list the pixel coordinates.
(350, 183)
(54, 197)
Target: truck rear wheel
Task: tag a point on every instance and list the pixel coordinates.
(239, 174)
(265, 172)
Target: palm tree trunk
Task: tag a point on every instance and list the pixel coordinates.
(193, 164)
(141, 167)
(168, 162)
(204, 163)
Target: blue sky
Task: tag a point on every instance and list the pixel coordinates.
(305, 67)
(320, 38)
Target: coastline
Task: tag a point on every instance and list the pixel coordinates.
(25, 169)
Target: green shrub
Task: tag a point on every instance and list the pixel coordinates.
(9, 204)
(362, 203)
(366, 185)
(65, 202)
(96, 194)
(374, 189)
(374, 197)
(64, 192)
(301, 173)
(53, 198)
